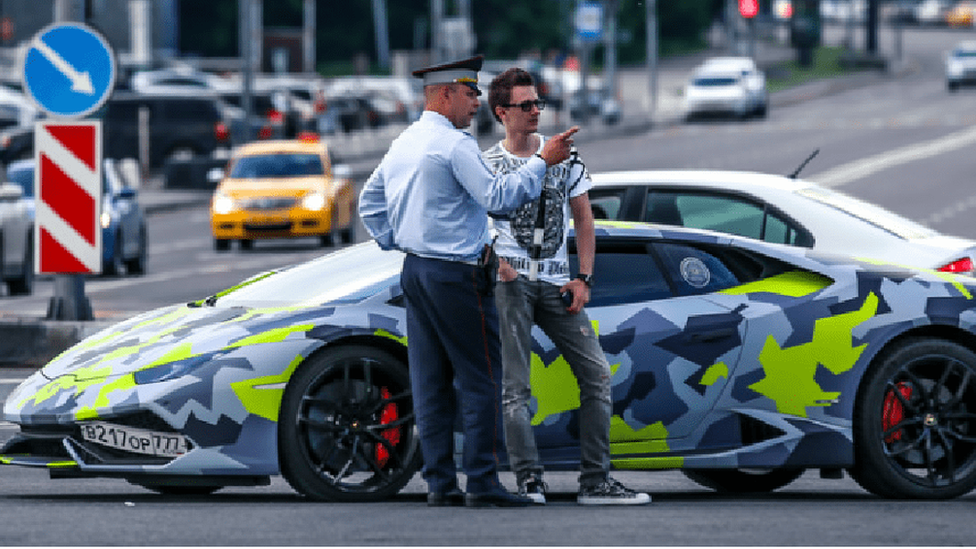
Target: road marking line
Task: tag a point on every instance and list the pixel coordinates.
(852, 171)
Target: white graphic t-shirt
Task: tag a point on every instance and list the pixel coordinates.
(516, 231)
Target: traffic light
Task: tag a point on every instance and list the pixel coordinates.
(748, 8)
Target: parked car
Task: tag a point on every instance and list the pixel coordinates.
(16, 240)
(16, 143)
(180, 126)
(962, 14)
(282, 189)
(179, 81)
(960, 65)
(777, 209)
(125, 242)
(739, 362)
(932, 12)
(726, 85)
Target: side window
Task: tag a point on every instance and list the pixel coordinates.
(623, 273)
(694, 271)
(720, 213)
(606, 203)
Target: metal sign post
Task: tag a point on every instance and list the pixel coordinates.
(69, 72)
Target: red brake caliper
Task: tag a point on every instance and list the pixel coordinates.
(894, 410)
(388, 415)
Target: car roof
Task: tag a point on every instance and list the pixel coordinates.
(699, 178)
(965, 45)
(728, 63)
(275, 146)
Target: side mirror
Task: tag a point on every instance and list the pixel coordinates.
(214, 175)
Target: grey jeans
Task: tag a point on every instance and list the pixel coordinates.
(520, 303)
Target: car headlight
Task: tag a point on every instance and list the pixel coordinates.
(223, 204)
(314, 202)
(172, 370)
(106, 220)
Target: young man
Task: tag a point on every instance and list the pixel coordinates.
(534, 273)
(429, 197)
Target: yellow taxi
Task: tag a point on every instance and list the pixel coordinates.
(281, 189)
(962, 14)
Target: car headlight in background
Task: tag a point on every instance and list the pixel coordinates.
(223, 204)
(105, 220)
(314, 202)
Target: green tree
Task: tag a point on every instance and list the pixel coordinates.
(504, 28)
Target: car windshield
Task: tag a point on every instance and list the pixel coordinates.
(277, 165)
(880, 217)
(707, 81)
(349, 274)
(23, 176)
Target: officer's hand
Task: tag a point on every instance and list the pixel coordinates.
(557, 148)
(506, 273)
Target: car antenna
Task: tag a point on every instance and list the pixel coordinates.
(803, 165)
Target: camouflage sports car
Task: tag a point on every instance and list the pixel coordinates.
(741, 363)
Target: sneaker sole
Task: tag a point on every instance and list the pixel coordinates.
(614, 501)
(537, 499)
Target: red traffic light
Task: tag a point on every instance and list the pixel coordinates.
(748, 8)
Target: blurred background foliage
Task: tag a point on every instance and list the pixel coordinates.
(504, 28)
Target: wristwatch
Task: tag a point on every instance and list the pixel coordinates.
(587, 279)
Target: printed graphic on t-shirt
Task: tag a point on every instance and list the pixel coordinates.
(524, 219)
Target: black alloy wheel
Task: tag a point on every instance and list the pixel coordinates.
(347, 430)
(915, 422)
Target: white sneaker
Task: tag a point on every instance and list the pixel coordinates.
(610, 492)
(533, 488)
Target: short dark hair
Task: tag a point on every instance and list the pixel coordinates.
(500, 90)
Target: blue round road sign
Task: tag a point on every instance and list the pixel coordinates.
(69, 70)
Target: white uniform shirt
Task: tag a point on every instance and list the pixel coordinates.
(431, 192)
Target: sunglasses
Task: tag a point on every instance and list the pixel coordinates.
(527, 105)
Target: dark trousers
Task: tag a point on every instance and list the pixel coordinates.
(452, 332)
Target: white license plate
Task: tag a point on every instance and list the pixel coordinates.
(153, 443)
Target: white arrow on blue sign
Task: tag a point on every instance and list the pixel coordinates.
(69, 70)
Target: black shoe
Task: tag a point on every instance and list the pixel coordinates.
(534, 488)
(496, 498)
(451, 498)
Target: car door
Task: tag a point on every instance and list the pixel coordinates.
(670, 346)
(14, 228)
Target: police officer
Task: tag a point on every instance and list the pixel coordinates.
(429, 197)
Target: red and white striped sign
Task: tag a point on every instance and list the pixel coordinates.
(68, 184)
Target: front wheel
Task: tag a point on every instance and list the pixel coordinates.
(743, 481)
(915, 422)
(347, 430)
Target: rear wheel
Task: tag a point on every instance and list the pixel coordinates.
(347, 427)
(742, 481)
(246, 243)
(915, 422)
